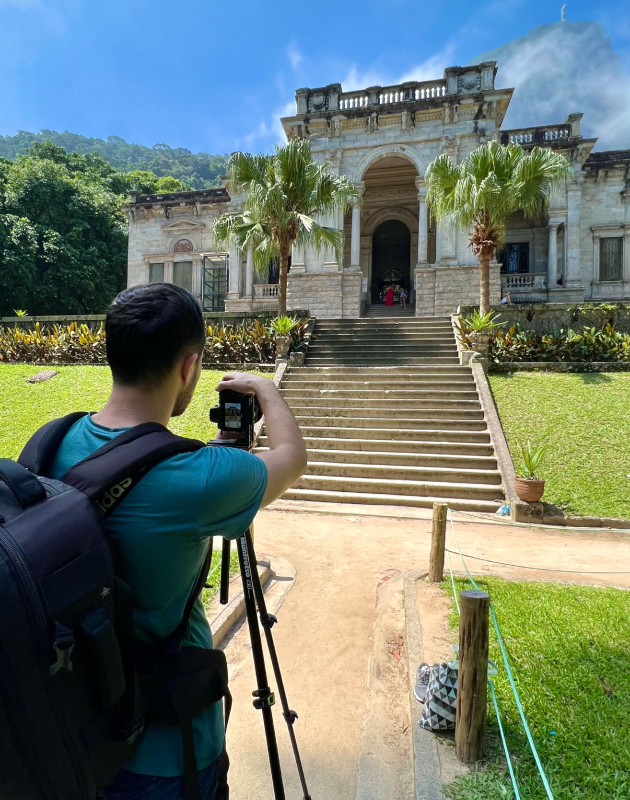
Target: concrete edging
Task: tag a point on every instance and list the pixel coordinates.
(426, 759)
(235, 609)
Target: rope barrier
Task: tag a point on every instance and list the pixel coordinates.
(507, 668)
(541, 569)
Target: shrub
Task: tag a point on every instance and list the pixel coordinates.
(74, 344)
(590, 344)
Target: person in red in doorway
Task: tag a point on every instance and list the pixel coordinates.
(389, 296)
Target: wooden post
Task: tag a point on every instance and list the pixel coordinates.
(438, 543)
(472, 680)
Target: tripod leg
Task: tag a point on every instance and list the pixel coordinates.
(264, 696)
(267, 621)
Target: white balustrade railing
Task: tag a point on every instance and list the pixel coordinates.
(524, 280)
(558, 133)
(392, 94)
(521, 138)
(354, 101)
(264, 291)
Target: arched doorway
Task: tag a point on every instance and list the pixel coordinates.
(391, 251)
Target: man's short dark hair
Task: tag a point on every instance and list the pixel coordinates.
(148, 328)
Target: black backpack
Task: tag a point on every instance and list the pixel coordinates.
(76, 687)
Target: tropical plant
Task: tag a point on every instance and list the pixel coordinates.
(283, 325)
(19, 312)
(532, 458)
(286, 192)
(587, 345)
(491, 183)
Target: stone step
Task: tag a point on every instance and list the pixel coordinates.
(383, 394)
(358, 361)
(390, 472)
(423, 320)
(400, 412)
(376, 337)
(365, 498)
(382, 348)
(382, 422)
(436, 434)
(373, 373)
(478, 491)
(332, 401)
(403, 447)
(390, 384)
(395, 458)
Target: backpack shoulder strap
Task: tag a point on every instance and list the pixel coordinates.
(39, 452)
(109, 473)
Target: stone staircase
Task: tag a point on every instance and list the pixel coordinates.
(390, 417)
(380, 311)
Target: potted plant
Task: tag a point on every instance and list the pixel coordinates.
(283, 327)
(527, 485)
(476, 329)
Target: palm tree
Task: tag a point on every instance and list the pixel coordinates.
(491, 183)
(285, 192)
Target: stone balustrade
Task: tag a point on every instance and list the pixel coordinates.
(537, 136)
(524, 280)
(265, 291)
(388, 95)
(353, 100)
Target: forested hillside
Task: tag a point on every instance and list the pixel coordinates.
(197, 170)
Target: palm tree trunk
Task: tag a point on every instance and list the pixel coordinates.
(484, 283)
(282, 280)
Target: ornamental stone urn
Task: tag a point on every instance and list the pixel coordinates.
(283, 343)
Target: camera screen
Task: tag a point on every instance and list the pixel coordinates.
(233, 415)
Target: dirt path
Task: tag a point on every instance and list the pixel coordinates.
(341, 618)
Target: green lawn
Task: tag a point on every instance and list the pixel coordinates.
(24, 407)
(586, 420)
(569, 651)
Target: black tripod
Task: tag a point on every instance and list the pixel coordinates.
(264, 697)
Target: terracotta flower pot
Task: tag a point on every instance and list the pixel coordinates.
(529, 490)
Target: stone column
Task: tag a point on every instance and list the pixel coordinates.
(626, 238)
(234, 272)
(552, 258)
(574, 210)
(423, 227)
(355, 241)
(249, 273)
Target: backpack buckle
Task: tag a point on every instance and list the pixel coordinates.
(63, 647)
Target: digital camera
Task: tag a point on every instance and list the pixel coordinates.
(236, 414)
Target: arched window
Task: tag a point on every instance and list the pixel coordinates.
(183, 246)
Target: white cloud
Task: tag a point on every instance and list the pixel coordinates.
(294, 55)
(564, 68)
(429, 69)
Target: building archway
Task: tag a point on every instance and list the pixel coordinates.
(391, 247)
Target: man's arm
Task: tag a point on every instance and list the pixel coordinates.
(286, 458)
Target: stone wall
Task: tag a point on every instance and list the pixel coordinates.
(321, 294)
(547, 317)
(442, 290)
(351, 294)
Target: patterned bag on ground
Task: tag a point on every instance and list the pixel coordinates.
(440, 705)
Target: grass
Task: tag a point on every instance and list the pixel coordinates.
(24, 407)
(586, 420)
(568, 648)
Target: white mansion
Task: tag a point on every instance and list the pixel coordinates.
(382, 139)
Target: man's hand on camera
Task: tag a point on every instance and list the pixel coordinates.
(285, 457)
(243, 382)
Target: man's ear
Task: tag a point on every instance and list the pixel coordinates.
(188, 367)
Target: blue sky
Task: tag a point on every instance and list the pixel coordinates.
(214, 75)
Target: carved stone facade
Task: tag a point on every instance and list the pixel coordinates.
(382, 139)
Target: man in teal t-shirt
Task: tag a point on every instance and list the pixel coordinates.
(155, 336)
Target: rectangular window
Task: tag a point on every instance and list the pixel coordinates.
(156, 273)
(611, 258)
(182, 274)
(514, 258)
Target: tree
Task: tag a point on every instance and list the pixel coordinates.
(285, 192)
(63, 240)
(491, 183)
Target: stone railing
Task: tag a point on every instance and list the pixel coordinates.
(350, 100)
(387, 95)
(534, 136)
(265, 291)
(524, 280)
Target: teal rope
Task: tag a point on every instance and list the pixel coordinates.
(505, 747)
(509, 672)
(494, 699)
